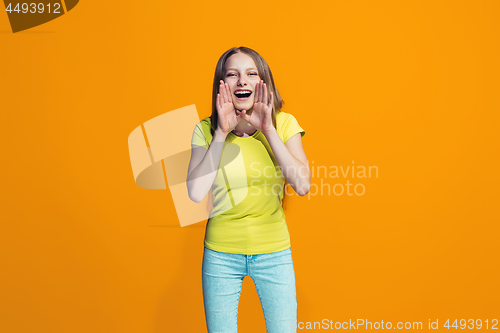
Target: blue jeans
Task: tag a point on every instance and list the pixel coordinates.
(274, 278)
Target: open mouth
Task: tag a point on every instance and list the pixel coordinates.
(243, 95)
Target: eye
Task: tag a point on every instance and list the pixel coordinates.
(230, 74)
(253, 74)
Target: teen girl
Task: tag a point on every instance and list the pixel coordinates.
(246, 233)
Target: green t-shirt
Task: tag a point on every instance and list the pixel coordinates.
(247, 215)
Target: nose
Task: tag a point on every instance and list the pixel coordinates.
(241, 81)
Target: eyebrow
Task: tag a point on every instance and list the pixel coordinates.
(249, 69)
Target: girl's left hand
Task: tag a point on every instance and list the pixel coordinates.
(261, 117)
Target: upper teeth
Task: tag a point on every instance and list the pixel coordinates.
(242, 92)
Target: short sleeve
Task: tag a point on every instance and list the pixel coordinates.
(291, 127)
(198, 138)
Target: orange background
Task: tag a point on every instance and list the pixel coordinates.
(409, 87)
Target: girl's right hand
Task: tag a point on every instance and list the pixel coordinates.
(228, 117)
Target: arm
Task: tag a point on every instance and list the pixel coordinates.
(292, 160)
(203, 167)
(205, 162)
(290, 156)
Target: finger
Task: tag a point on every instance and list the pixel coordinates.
(264, 100)
(260, 91)
(226, 91)
(241, 116)
(217, 102)
(256, 97)
(262, 96)
(220, 87)
(229, 95)
(222, 92)
(271, 102)
(246, 116)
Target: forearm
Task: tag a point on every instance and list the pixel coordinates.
(202, 177)
(295, 172)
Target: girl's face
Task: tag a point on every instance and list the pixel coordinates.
(242, 76)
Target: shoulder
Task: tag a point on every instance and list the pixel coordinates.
(284, 119)
(204, 125)
(205, 122)
(202, 130)
(287, 126)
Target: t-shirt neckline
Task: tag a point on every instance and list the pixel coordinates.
(245, 137)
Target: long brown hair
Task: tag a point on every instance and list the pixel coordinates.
(264, 74)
